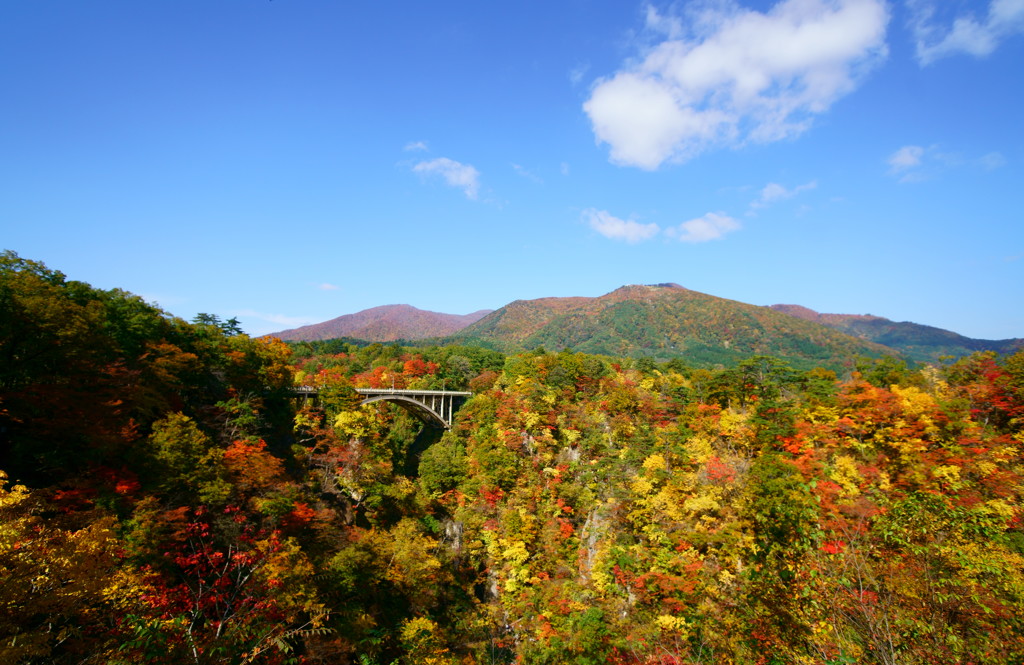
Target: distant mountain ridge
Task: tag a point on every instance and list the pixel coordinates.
(919, 342)
(664, 321)
(387, 323)
(659, 321)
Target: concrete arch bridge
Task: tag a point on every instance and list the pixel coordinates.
(434, 407)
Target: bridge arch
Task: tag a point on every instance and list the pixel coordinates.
(413, 406)
(436, 408)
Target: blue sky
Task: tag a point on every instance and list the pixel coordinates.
(289, 161)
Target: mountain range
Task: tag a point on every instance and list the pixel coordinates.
(387, 323)
(664, 321)
(916, 341)
(660, 321)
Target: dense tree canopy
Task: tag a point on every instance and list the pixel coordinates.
(165, 498)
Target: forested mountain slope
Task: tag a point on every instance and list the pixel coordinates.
(916, 341)
(662, 322)
(384, 324)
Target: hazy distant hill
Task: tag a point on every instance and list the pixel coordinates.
(385, 324)
(664, 321)
(919, 342)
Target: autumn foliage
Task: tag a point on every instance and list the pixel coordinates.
(164, 498)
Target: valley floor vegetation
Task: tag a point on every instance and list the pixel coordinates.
(165, 498)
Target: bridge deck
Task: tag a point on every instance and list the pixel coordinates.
(411, 393)
(313, 390)
(434, 407)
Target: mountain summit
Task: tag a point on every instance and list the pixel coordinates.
(385, 324)
(664, 321)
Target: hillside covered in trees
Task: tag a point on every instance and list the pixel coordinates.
(164, 498)
(388, 323)
(916, 341)
(662, 322)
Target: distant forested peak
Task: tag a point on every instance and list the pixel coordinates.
(917, 341)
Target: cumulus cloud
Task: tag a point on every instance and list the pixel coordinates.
(711, 226)
(939, 36)
(722, 75)
(619, 229)
(774, 192)
(456, 174)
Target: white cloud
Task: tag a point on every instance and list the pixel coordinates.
(907, 157)
(564, 168)
(724, 76)
(416, 146)
(992, 161)
(669, 26)
(914, 163)
(328, 287)
(454, 173)
(619, 229)
(711, 226)
(774, 192)
(577, 73)
(937, 37)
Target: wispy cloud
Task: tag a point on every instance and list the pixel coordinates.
(914, 163)
(938, 36)
(529, 175)
(455, 174)
(711, 226)
(774, 192)
(328, 287)
(577, 73)
(992, 161)
(416, 146)
(721, 75)
(619, 229)
(907, 157)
